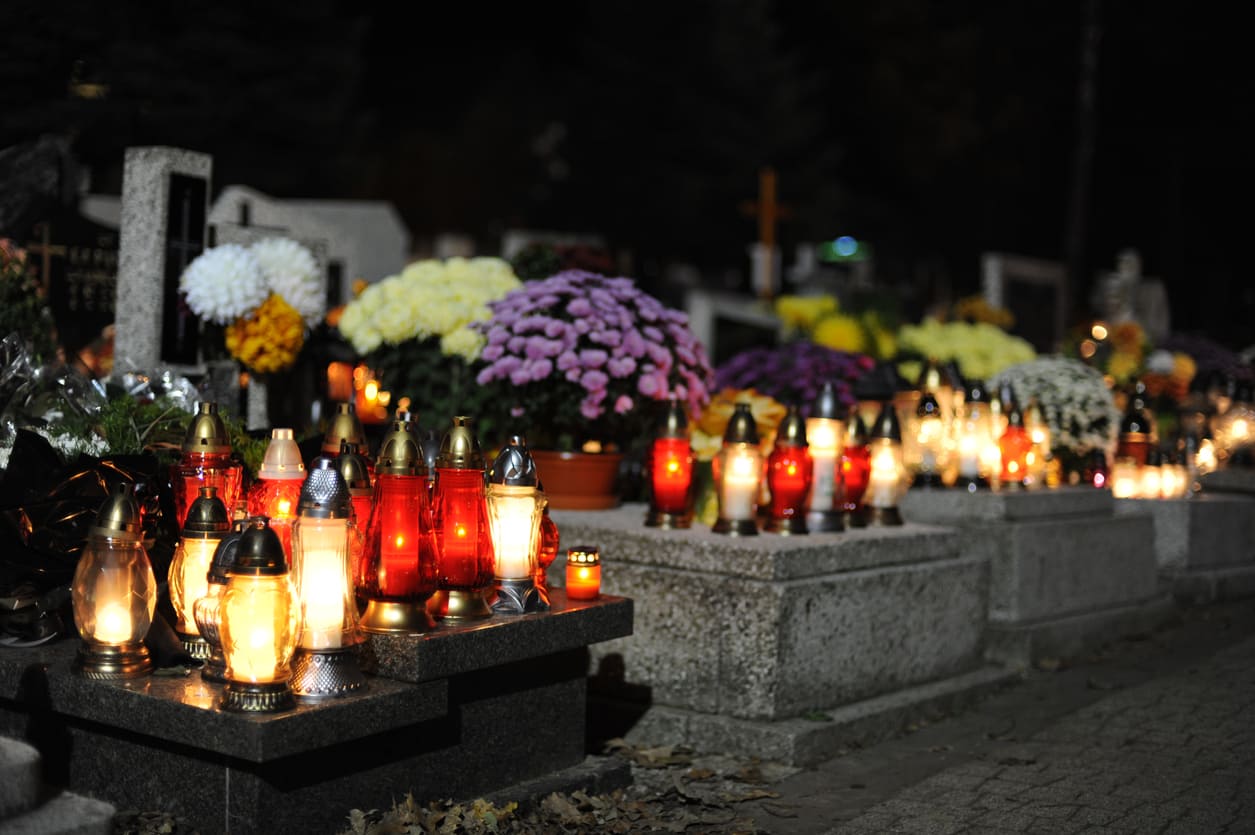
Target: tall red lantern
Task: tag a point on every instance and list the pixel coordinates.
(277, 490)
(206, 461)
(1015, 445)
(398, 570)
(856, 471)
(671, 471)
(356, 472)
(789, 474)
(464, 555)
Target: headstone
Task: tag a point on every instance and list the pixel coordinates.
(1034, 290)
(76, 260)
(165, 203)
(1125, 295)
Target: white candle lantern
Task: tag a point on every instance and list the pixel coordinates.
(737, 472)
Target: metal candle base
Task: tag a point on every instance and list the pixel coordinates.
(788, 526)
(668, 521)
(113, 663)
(392, 617)
(250, 697)
(215, 668)
(825, 521)
(459, 605)
(326, 673)
(856, 518)
(195, 645)
(972, 483)
(1013, 486)
(928, 480)
(737, 527)
(518, 597)
(885, 517)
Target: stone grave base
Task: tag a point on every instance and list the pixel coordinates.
(1072, 635)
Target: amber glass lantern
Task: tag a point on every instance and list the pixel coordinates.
(1235, 426)
(277, 489)
(515, 509)
(790, 472)
(887, 475)
(464, 554)
(1014, 447)
(206, 460)
(207, 523)
(1126, 478)
(398, 569)
(930, 442)
(208, 609)
(1137, 428)
(1174, 479)
(855, 472)
(1150, 476)
(975, 437)
(114, 593)
(825, 434)
(671, 471)
(1040, 458)
(259, 624)
(737, 471)
(583, 573)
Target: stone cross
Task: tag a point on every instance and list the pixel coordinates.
(165, 201)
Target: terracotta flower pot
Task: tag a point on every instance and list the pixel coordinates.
(578, 480)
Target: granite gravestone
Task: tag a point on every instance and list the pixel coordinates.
(165, 201)
(76, 260)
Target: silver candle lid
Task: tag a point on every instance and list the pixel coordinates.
(514, 465)
(325, 494)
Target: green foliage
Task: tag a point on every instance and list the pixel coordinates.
(129, 426)
(23, 309)
(536, 261)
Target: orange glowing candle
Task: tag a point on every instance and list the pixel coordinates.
(583, 573)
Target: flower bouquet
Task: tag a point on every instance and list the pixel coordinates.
(794, 372)
(981, 349)
(416, 331)
(1074, 399)
(580, 357)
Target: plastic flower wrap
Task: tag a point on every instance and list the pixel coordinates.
(580, 356)
(981, 350)
(291, 271)
(1074, 399)
(224, 283)
(270, 339)
(794, 372)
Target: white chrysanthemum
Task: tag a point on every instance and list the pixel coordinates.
(292, 272)
(224, 283)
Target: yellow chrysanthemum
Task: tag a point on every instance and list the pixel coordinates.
(978, 309)
(801, 313)
(1183, 368)
(841, 333)
(1123, 365)
(270, 339)
(713, 422)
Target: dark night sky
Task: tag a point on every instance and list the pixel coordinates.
(936, 130)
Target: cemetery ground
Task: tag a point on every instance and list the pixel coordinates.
(1150, 734)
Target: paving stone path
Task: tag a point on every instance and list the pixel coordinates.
(1173, 755)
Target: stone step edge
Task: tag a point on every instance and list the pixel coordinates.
(1019, 643)
(806, 742)
(1199, 586)
(20, 777)
(64, 814)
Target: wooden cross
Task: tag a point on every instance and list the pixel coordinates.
(47, 252)
(769, 212)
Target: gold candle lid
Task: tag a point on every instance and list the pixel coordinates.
(741, 427)
(792, 431)
(206, 433)
(353, 468)
(344, 427)
(119, 516)
(400, 453)
(208, 517)
(459, 450)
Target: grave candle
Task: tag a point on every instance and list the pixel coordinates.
(357, 475)
(1136, 428)
(208, 609)
(789, 474)
(1014, 447)
(583, 573)
(114, 593)
(546, 546)
(737, 471)
(206, 460)
(824, 432)
(464, 552)
(345, 427)
(515, 509)
(277, 490)
(975, 432)
(670, 466)
(885, 481)
(207, 523)
(929, 440)
(1125, 478)
(259, 623)
(855, 471)
(1150, 482)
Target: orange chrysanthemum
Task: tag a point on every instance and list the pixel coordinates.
(270, 339)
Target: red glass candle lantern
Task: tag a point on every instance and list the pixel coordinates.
(277, 490)
(206, 460)
(790, 471)
(855, 472)
(825, 436)
(114, 593)
(546, 547)
(357, 477)
(398, 569)
(515, 509)
(737, 471)
(671, 471)
(1014, 447)
(583, 573)
(326, 661)
(207, 523)
(464, 556)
